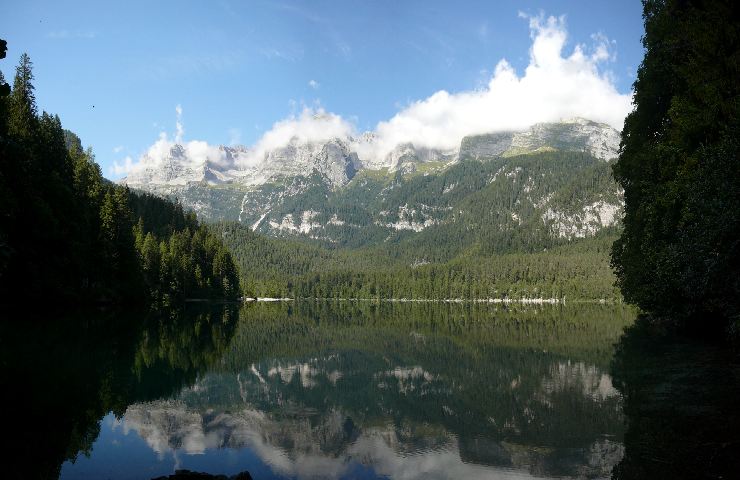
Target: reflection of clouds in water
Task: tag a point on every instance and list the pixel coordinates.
(167, 426)
(296, 447)
(305, 442)
(433, 464)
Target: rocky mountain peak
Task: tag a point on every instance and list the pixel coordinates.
(337, 160)
(574, 134)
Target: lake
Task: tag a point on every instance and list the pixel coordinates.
(328, 390)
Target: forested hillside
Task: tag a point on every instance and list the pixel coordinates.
(282, 267)
(67, 234)
(512, 227)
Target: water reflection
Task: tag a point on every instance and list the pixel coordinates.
(400, 391)
(66, 373)
(681, 403)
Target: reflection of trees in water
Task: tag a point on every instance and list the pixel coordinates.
(680, 400)
(67, 373)
(503, 388)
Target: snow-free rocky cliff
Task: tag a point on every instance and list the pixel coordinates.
(330, 190)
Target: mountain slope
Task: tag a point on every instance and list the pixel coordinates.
(497, 192)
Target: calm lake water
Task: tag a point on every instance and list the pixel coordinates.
(343, 390)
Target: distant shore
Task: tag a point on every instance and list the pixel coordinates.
(535, 301)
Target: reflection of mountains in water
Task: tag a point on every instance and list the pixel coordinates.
(441, 401)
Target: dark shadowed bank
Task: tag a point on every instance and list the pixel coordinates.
(678, 257)
(680, 402)
(65, 372)
(679, 254)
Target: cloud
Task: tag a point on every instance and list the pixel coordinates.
(189, 64)
(483, 31)
(554, 86)
(125, 167)
(196, 152)
(180, 130)
(311, 125)
(314, 84)
(118, 149)
(289, 54)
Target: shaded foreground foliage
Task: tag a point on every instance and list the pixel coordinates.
(67, 234)
(679, 254)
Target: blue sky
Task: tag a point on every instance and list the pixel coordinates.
(115, 72)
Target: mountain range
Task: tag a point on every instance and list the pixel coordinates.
(553, 179)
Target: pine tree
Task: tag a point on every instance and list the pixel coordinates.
(22, 121)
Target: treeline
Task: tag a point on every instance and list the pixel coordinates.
(67, 234)
(285, 268)
(178, 257)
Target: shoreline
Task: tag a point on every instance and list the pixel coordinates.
(525, 301)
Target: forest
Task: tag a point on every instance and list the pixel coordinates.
(70, 236)
(291, 268)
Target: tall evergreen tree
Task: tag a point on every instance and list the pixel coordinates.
(22, 109)
(679, 254)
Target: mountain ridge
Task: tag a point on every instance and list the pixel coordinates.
(338, 158)
(552, 180)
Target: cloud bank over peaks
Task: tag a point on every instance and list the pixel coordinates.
(556, 85)
(191, 154)
(311, 125)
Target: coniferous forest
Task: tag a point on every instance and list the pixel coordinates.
(67, 234)
(679, 254)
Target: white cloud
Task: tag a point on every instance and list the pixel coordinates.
(314, 84)
(196, 151)
(126, 166)
(118, 149)
(311, 125)
(557, 84)
(554, 86)
(180, 130)
(483, 31)
(180, 65)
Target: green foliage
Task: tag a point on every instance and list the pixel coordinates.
(679, 255)
(281, 267)
(496, 205)
(23, 121)
(67, 234)
(491, 238)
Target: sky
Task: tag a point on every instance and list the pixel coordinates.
(130, 76)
